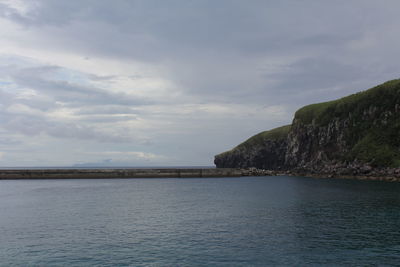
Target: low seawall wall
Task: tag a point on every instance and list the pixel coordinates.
(117, 173)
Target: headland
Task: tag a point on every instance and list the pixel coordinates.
(355, 136)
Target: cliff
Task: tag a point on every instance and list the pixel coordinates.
(355, 135)
(265, 150)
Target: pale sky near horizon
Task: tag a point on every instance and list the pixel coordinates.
(172, 83)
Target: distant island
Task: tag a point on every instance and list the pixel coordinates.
(355, 136)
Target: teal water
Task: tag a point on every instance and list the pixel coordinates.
(256, 221)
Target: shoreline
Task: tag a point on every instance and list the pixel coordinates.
(350, 177)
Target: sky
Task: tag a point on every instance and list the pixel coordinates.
(172, 83)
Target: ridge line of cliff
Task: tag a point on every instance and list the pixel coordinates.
(354, 135)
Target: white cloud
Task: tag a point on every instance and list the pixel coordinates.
(91, 81)
(127, 155)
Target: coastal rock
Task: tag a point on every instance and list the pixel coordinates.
(263, 151)
(354, 136)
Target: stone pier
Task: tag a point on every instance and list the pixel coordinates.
(119, 173)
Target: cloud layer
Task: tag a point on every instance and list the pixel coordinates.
(168, 83)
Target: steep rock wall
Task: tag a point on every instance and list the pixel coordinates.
(356, 134)
(269, 155)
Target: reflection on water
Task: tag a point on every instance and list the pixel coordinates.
(199, 222)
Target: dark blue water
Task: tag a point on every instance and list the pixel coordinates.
(260, 221)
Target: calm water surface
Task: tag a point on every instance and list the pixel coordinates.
(260, 221)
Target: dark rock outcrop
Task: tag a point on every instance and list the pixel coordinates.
(355, 135)
(263, 151)
(267, 155)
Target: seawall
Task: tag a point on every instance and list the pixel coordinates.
(118, 173)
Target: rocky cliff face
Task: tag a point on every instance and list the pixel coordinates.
(310, 146)
(269, 155)
(353, 135)
(264, 151)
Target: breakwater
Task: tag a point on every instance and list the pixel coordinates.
(119, 173)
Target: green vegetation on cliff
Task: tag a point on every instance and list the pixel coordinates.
(279, 133)
(274, 134)
(385, 95)
(374, 132)
(362, 129)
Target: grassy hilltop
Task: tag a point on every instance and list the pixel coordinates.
(274, 134)
(362, 127)
(374, 133)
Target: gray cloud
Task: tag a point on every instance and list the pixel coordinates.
(33, 125)
(108, 110)
(175, 30)
(30, 114)
(209, 69)
(70, 92)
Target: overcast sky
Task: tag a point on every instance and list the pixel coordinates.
(172, 83)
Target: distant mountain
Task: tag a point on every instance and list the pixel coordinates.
(357, 134)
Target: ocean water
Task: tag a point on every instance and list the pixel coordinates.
(249, 221)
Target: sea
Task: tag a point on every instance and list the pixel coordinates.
(244, 221)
